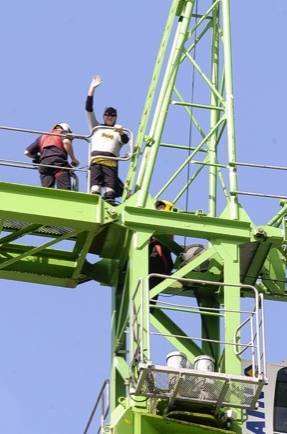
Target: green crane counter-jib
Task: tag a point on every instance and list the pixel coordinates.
(202, 386)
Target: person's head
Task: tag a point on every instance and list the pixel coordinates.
(164, 205)
(62, 127)
(110, 116)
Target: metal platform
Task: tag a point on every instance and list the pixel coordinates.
(15, 225)
(211, 388)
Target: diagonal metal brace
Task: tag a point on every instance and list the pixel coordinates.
(37, 249)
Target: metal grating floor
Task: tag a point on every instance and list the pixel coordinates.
(14, 225)
(211, 388)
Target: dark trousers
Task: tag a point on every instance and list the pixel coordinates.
(51, 177)
(158, 266)
(105, 176)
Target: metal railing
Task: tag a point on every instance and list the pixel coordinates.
(189, 160)
(87, 138)
(259, 166)
(251, 319)
(103, 400)
(205, 163)
(255, 316)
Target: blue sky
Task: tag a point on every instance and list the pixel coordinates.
(55, 341)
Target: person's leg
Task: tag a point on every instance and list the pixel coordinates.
(47, 181)
(154, 281)
(96, 179)
(47, 175)
(63, 179)
(110, 182)
(155, 266)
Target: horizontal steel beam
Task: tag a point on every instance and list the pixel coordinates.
(51, 207)
(185, 224)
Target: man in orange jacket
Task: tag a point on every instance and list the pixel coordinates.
(54, 150)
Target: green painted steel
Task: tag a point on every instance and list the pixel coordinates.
(214, 115)
(47, 236)
(229, 105)
(163, 102)
(151, 95)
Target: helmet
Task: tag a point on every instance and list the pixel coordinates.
(65, 127)
(165, 205)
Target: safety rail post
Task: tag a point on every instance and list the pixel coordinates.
(253, 355)
(263, 338)
(101, 400)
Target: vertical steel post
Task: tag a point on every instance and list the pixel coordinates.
(214, 116)
(151, 93)
(229, 100)
(138, 269)
(232, 363)
(163, 102)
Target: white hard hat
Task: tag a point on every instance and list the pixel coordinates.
(65, 127)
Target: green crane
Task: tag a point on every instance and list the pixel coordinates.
(201, 387)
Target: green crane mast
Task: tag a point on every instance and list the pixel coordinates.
(202, 387)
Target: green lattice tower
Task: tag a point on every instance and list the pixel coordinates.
(237, 250)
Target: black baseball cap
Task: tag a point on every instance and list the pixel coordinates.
(110, 111)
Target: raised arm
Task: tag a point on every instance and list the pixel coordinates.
(92, 121)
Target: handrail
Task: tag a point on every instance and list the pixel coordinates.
(105, 411)
(46, 133)
(73, 135)
(24, 165)
(250, 193)
(19, 164)
(257, 342)
(260, 166)
(167, 304)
